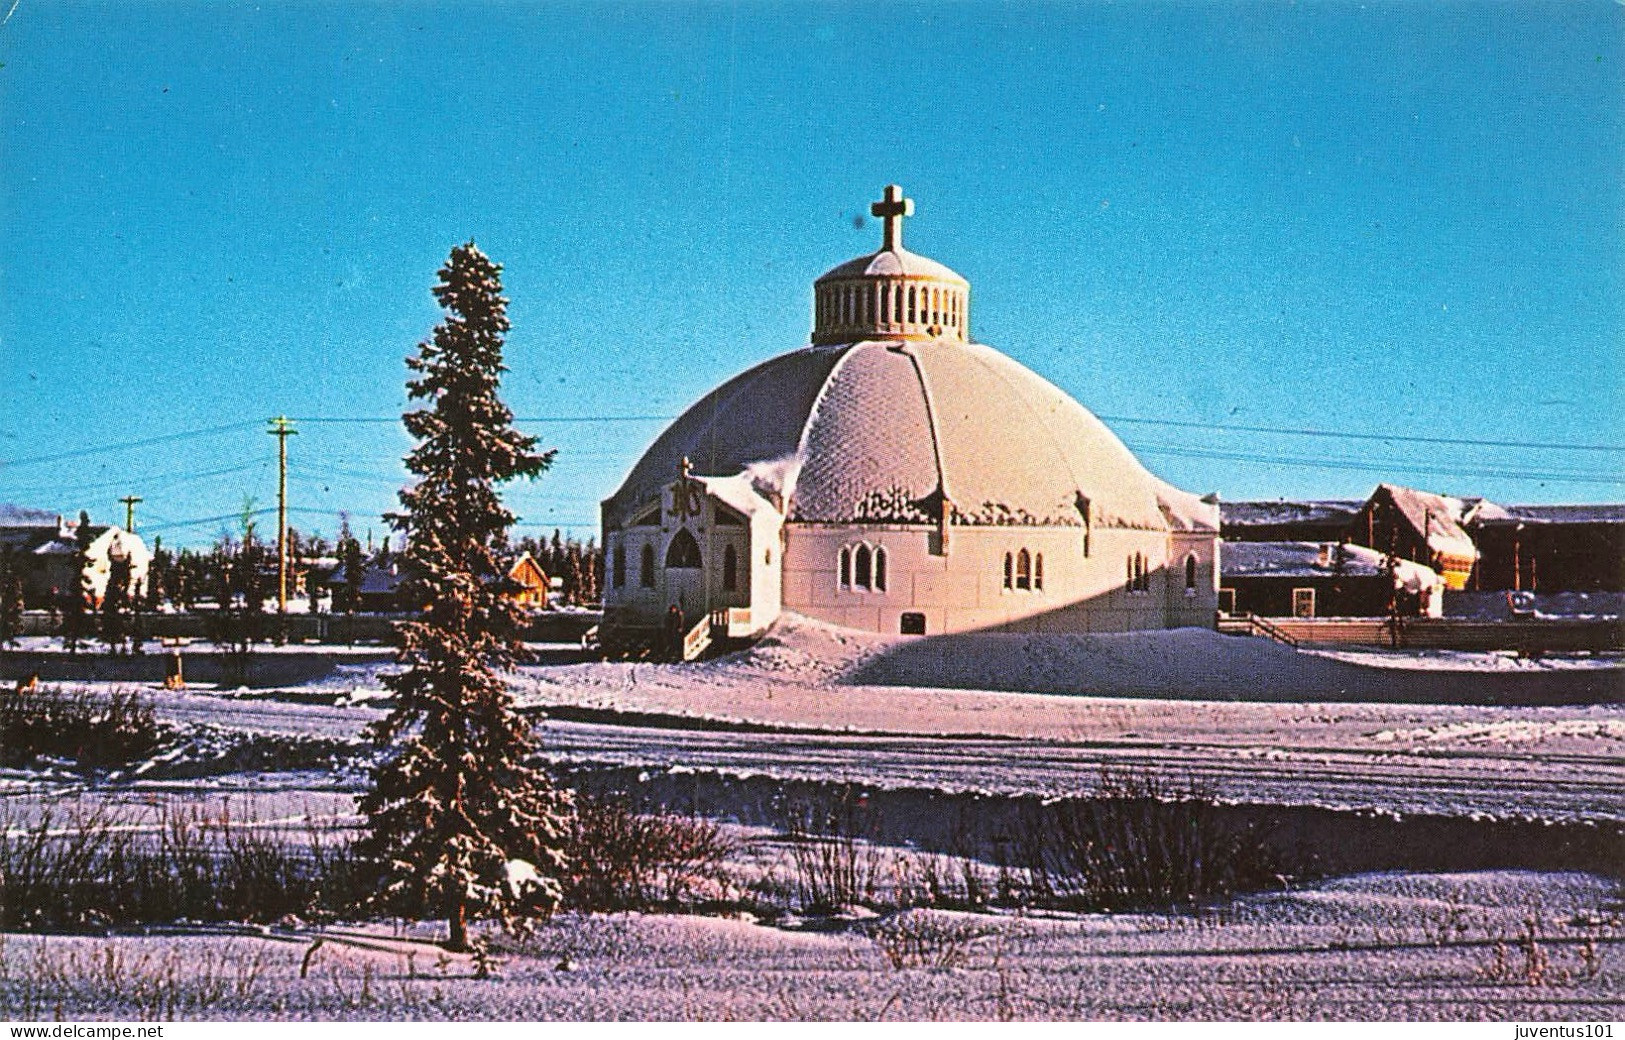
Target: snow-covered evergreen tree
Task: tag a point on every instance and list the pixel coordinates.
(460, 825)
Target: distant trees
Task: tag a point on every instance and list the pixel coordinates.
(459, 823)
(578, 565)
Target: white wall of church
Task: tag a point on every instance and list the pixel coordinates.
(965, 590)
(755, 545)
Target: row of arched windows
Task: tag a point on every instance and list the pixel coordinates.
(862, 567)
(683, 552)
(1139, 575)
(1024, 571)
(866, 305)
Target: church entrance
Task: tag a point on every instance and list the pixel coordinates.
(685, 577)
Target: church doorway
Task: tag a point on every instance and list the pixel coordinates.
(685, 577)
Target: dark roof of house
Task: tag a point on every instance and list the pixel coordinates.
(25, 516)
(1296, 559)
(375, 579)
(1262, 514)
(1576, 514)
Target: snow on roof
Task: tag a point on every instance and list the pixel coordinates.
(1437, 517)
(876, 431)
(1315, 560)
(737, 492)
(1187, 512)
(1260, 514)
(893, 262)
(1570, 514)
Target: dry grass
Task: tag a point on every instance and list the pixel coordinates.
(88, 869)
(91, 730)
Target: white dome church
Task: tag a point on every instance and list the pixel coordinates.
(897, 477)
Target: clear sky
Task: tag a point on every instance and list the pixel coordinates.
(1399, 219)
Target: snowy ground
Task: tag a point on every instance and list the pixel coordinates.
(1471, 743)
(1497, 946)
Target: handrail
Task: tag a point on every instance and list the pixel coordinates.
(1271, 630)
(697, 639)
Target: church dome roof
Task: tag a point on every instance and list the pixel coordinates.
(893, 263)
(893, 409)
(878, 432)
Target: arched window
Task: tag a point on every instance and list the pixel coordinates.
(897, 305)
(845, 579)
(683, 552)
(646, 567)
(618, 571)
(730, 569)
(1009, 571)
(885, 305)
(880, 569)
(1190, 573)
(862, 573)
(911, 304)
(1024, 570)
(1038, 571)
(1129, 576)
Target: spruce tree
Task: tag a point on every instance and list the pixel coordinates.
(11, 598)
(116, 604)
(455, 807)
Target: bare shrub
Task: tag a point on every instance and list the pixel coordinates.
(85, 870)
(830, 872)
(1139, 843)
(920, 939)
(624, 860)
(92, 730)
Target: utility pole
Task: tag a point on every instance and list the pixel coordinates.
(129, 511)
(281, 429)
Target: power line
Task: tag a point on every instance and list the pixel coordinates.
(1344, 435)
(517, 418)
(1136, 420)
(142, 443)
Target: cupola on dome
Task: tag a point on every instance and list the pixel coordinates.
(892, 294)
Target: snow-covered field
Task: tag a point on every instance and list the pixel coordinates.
(1495, 946)
(1414, 749)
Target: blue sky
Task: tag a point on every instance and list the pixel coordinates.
(1396, 219)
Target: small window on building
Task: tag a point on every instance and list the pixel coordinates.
(912, 297)
(880, 569)
(1303, 603)
(1038, 571)
(1009, 571)
(862, 575)
(730, 569)
(618, 570)
(912, 623)
(646, 567)
(845, 578)
(1024, 570)
(1190, 574)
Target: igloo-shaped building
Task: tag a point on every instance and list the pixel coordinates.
(895, 476)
